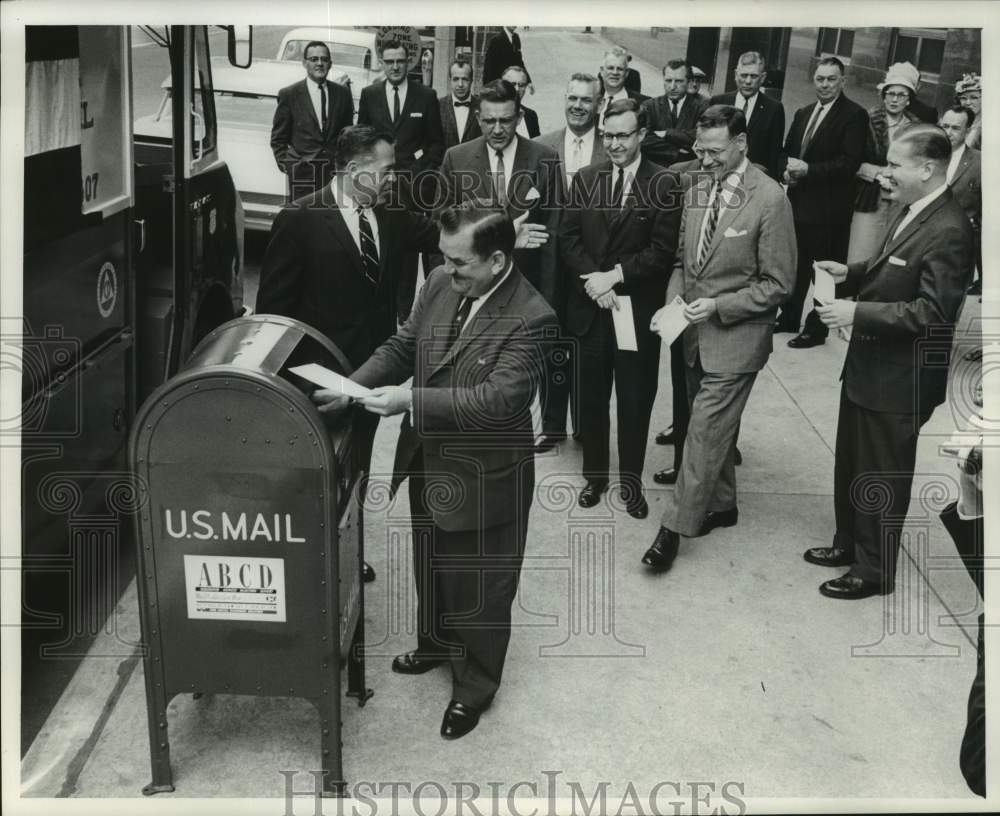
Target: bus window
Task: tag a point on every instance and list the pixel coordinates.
(203, 125)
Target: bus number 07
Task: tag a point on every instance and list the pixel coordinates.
(90, 187)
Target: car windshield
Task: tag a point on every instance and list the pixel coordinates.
(245, 110)
(349, 56)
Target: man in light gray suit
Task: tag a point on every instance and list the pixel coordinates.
(578, 145)
(735, 265)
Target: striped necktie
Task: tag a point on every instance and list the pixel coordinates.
(369, 251)
(712, 219)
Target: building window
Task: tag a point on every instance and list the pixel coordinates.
(923, 47)
(836, 42)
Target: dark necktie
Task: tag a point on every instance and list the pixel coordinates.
(395, 103)
(673, 112)
(369, 251)
(891, 234)
(713, 220)
(461, 315)
(322, 104)
(501, 181)
(616, 193)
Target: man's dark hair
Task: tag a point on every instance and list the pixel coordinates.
(833, 61)
(358, 142)
(499, 91)
(316, 44)
(461, 63)
(674, 64)
(970, 117)
(733, 119)
(385, 45)
(620, 106)
(493, 228)
(926, 142)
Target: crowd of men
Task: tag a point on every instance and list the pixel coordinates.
(552, 255)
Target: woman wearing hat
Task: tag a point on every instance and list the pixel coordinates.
(968, 92)
(886, 120)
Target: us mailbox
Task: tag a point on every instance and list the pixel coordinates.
(250, 537)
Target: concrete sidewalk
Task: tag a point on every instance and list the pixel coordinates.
(730, 668)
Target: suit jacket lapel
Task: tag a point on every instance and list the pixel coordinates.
(744, 192)
(485, 317)
(335, 219)
(894, 243)
(835, 108)
(963, 165)
(620, 218)
(307, 101)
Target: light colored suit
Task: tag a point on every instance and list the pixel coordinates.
(749, 270)
(556, 139)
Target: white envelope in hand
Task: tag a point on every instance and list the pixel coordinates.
(669, 322)
(624, 323)
(731, 233)
(825, 291)
(331, 380)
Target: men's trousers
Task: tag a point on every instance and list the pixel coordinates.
(466, 581)
(873, 474)
(706, 481)
(633, 375)
(814, 242)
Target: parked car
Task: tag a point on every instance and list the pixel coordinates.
(352, 52)
(245, 101)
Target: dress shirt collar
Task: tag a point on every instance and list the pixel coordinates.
(508, 157)
(480, 301)
(402, 94)
(923, 203)
(510, 34)
(955, 161)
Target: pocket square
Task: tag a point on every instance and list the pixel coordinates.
(419, 154)
(896, 261)
(417, 114)
(731, 233)
(532, 194)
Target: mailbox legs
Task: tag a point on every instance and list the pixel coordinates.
(159, 742)
(356, 654)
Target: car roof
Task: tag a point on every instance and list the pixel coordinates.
(264, 77)
(347, 36)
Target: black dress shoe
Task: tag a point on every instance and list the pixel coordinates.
(591, 494)
(828, 557)
(637, 507)
(661, 554)
(413, 663)
(806, 340)
(665, 437)
(459, 720)
(851, 588)
(738, 457)
(367, 572)
(665, 476)
(721, 518)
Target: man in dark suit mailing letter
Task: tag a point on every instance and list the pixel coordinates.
(896, 370)
(474, 346)
(307, 121)
(735, 266)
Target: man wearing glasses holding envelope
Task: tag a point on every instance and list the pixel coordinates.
(735, 266)
(896, 369)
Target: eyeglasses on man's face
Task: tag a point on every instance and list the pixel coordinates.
(610, 138)
(711, 153)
